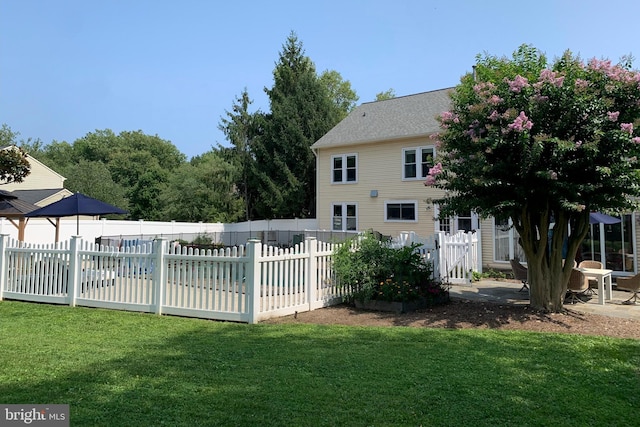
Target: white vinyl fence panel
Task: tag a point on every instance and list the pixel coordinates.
(244, 283)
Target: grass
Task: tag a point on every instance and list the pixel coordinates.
(127, 369)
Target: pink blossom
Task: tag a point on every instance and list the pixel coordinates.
(549, 76)
(636, 139)
(433, 172)
(494, 100)
(517, 83)
(599, 64)
(578, 144)
(446, 116)
(484, 88)
(627, 127)
(521, 123)
(582, 84)
(494, 116)
(613, 116)
(553, 175)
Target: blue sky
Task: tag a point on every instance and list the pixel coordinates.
(172, 68)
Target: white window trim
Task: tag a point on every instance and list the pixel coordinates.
(510, 231)
(418, 150)
(403, 202)
(344, 168)
(475, 221)
(344, 217)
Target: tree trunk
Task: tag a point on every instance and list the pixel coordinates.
(547, 270)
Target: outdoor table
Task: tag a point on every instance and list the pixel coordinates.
(603, 277)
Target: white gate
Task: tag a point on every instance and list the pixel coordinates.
(459, 256)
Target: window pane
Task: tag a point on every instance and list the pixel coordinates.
(410, 171)
(410, 156)
(427, 161)
(393, 211)
(501, 243)
(337, 162)
(337, 175)
(351, 161)
(464, 224)
(351, 224)
(337, 210)
(408, 212)
(351, 210)
(351, 174)
(337, 223)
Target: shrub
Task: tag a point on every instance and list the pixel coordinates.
(373, 270)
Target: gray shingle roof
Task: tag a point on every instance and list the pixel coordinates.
(401, 117)
(35, 196)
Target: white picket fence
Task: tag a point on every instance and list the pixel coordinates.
(455, 257)
(245, 283)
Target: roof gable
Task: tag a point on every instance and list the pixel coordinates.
(401, 117)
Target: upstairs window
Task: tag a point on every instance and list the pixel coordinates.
(344, 168)
(417, 161)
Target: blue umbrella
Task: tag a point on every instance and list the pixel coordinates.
(597, 218)
(76, 205)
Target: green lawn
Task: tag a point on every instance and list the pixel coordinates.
(127, 369)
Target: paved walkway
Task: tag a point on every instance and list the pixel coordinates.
(508, 292)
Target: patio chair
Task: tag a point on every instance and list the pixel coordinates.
(578, 284)
(592, 281)
(520, 273)
(631, 284)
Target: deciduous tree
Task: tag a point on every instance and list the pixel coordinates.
(542, 145)
(14, 166)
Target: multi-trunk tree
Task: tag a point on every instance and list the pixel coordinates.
(542, 145)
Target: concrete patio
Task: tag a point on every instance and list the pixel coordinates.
(508, 292)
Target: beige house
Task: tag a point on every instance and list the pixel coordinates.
(371, 169)
(41, 187)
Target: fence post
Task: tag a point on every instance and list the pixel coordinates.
(478, 251)
(441, 247)
(75, 264)
(159, 273)
(311, 247)
(469, 265)
(253, 278)
(3, 263)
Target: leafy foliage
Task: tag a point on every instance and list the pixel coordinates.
(542, 145)
(302, 111)
(14, 166)
(387, 94)
(374, 270)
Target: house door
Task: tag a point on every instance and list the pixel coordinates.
(612, 244)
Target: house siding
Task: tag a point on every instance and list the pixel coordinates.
(41, 177)
(379, 168)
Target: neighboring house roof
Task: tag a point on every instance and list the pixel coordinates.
(37, 196)
(10, 208)
(396, 118)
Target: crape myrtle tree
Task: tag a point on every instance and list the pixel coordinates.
(542, 145)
